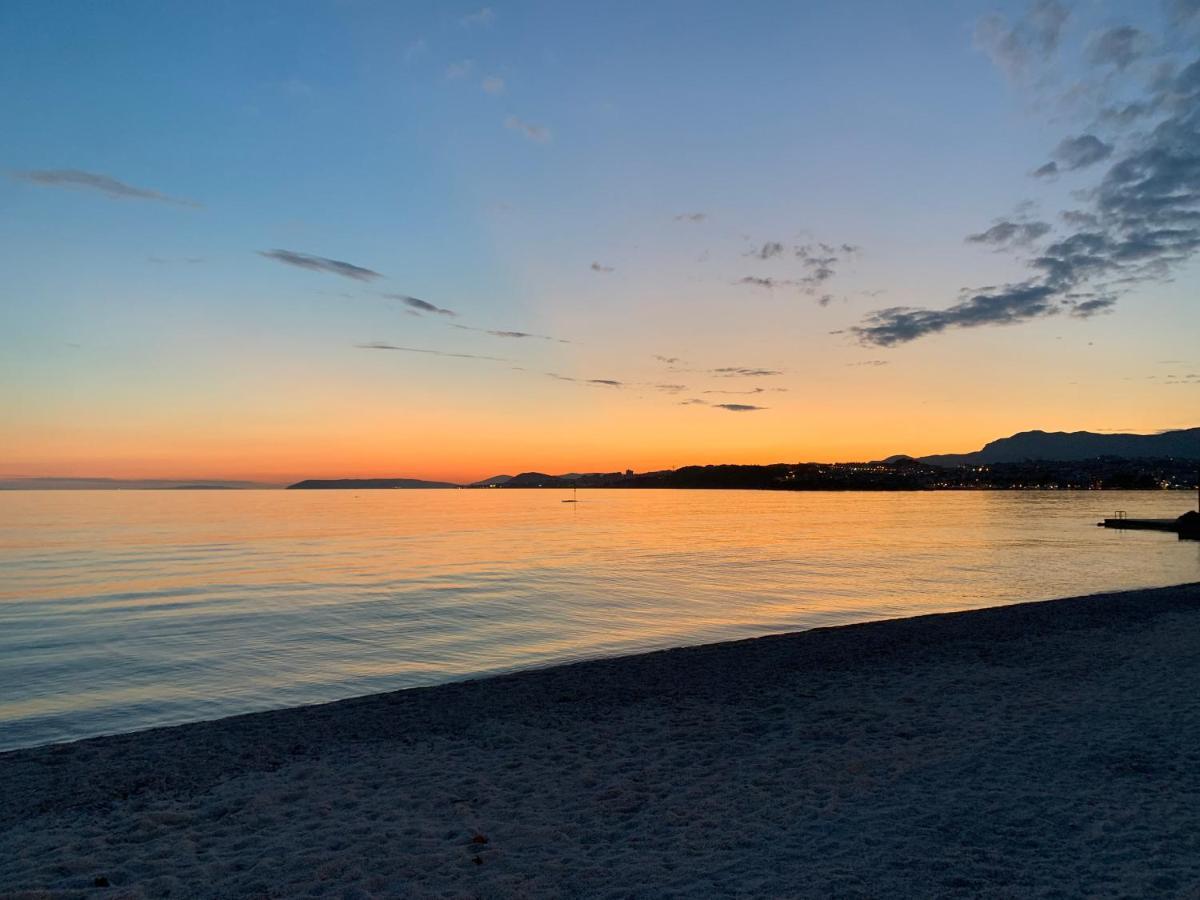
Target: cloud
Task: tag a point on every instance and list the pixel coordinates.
(481, 17)
(1049, 170)
(1118, 47)
(596, 267)
(1005, 235)
(460, 69)
(670, 388)
(738, 407)
(693, 402)
(756, 390)
(603, 382)
(379, 345)
(493, 84)
(1079, 152)
(421, 305)
(691, 217)
(118, 190)
(743, 372)
(508, 334)
(768, 283)
(538, 133)
(1029, 41)
(767, 251)
(1143, 222)
(669, 360)
(321, 264)
(870, 362)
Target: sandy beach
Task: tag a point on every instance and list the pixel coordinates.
(1043, 749)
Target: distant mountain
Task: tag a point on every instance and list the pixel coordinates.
(1063, 446)
(494, 481)
(54, 483)
(536, 479)
(336, 484)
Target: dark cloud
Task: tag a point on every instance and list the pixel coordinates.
(820, 262)
(756, 390)
(768, 283)
(604, 382)
(1004, 234)
(743, 372)
(1079, 152)
(1143, 222)
(105, 184)
(693, 402)
(596, 267)
(539, 133)
(669, 360)
(691, 217)
(767, 251)
(379, 345)
(1118, 47)
(1182, 12)
(738, 407)
(321, 264)
(416, 303)
(1029, 41)
(1049, 170)
(508, 334)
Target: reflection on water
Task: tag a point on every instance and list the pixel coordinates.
(122, 610)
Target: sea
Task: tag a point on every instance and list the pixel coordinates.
(126, 610)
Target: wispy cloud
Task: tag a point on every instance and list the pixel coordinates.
(379, 345)
(93, 181)
(421, 305)
(596, 267)
(603, 382)
(743, 372)
(481, 17)
(691, 217)
(768, 283)
(538, 133)
(1030, 41)
(321, 264)
(492, 84)
(870, 362)
(460, 69)
(1075, 153)
(738, 407)
(768, 250)
(510, 334)
(1005, 235)
(1118, 47)
(747, 393)
(669, 360)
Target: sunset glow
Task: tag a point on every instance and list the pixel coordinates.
(381, 240)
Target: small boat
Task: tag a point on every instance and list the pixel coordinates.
(574, 494)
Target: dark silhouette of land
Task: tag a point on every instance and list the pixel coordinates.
(1063, 446)
(1032, 460)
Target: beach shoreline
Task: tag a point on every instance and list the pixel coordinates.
(1037, 748)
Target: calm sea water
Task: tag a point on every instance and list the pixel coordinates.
(124, 610)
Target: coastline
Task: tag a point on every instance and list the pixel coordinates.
(1033, 748)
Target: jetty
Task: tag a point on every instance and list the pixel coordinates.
(1186, 526)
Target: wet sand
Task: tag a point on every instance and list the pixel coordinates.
(1042, 749)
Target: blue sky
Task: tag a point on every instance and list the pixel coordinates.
(599, 175)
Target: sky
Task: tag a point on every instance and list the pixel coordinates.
(349, 238)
